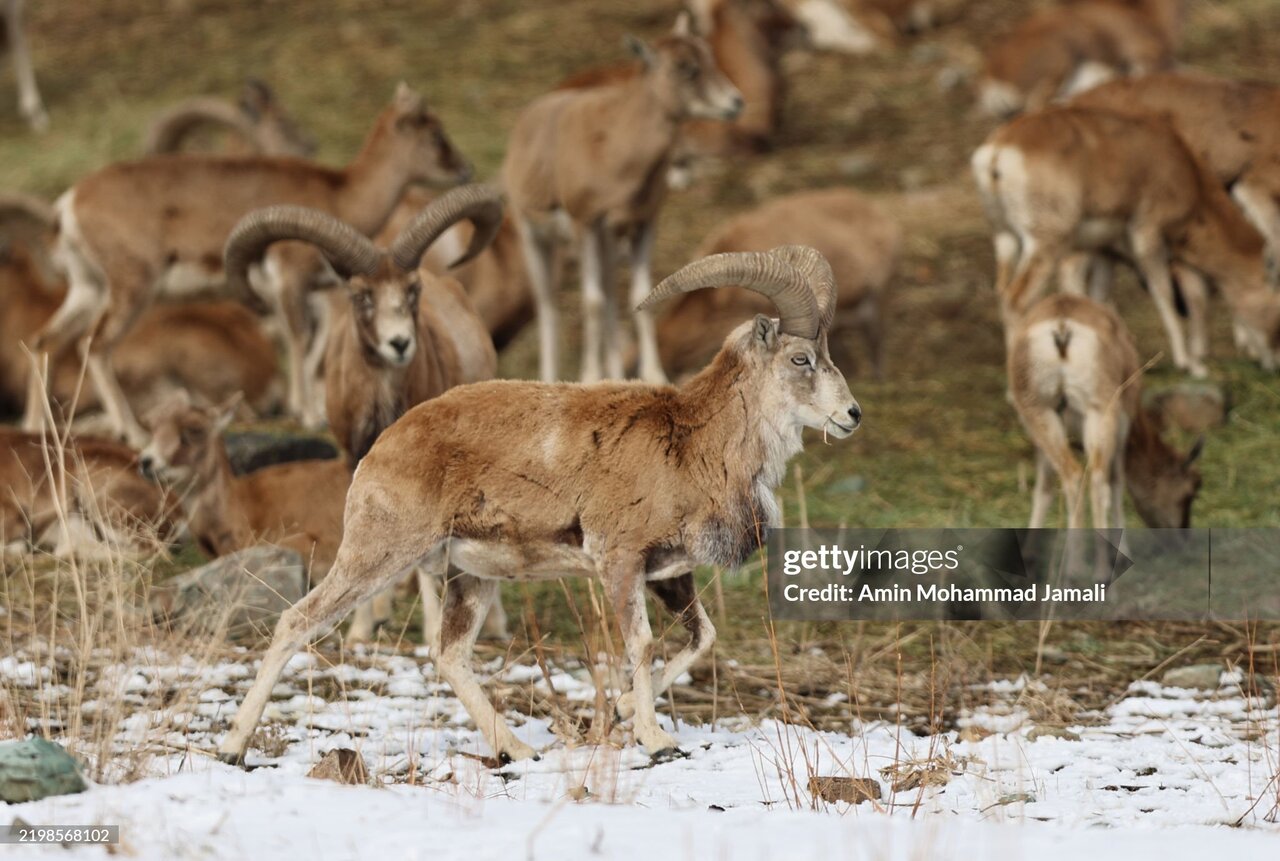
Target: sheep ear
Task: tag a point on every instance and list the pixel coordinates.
(1196, 451)
(684, 24)
(640, 49)
(765, 331)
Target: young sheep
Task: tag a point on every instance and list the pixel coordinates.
(1073, 368)
(629, 482)
(857, 237)
(599, 156)
(390, 350)
(108, 504)
(296, 505)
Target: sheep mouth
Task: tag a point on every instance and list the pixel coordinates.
(841, 431)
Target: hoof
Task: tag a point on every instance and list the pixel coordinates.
(668, 754)
(236, 759)
(505, 758)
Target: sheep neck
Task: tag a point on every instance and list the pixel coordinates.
(217, 512)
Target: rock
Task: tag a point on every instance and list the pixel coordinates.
(1199, 676)
(1063, 733)
(242, 593)
(1194, 406)
(857, 165)
(250, 450)
(853, 790)
(341, 765)
(36, 768)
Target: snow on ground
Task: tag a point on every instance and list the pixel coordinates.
(1164, 770)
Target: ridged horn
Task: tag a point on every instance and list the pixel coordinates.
(172, 127)
(762, 272)
(16, 206)
(821, 279)
(479, 203)
(349, 251)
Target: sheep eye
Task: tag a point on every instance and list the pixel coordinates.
(690, 71)
(800, 361)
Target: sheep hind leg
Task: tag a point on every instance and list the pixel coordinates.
(356, 574)
(680, 596)
(466, 605)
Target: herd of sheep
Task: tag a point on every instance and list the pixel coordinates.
(140, 292)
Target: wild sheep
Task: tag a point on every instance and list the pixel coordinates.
(395, 347)
(1074, 370)
(1070, 181)
(296, 505)
(1233, 126)
(209, 348)
(495, 283)
(856, 236)
(1057, 51)
(134, 231)
(257, 122)
(12, 32)
(629, 482)
(78, 495)
(747, 39)
(599, 156)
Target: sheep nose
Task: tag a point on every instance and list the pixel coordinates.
(146, 465)
(736, 104)
(400, 345)
(855, 413)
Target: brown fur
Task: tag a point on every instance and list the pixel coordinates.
(103, 486)
(257, 122)
(746, 38)
(625, 482)
(857, 238)
(1072, 180)
(126, 226)
(211, 349)
(364, 393)
(1035, 62)
(1073, 367)
(600, 156)
(1233, 126)
(296, 505)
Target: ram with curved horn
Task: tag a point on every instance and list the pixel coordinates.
(256, 122)
(631, 483)
(135, 232)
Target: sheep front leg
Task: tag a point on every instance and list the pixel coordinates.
(466, 604)
(537, 253)
(641, 283)
(624, 581)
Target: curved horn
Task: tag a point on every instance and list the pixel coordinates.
(16, 206)
(167, 133)
(346, 248)
(480, 203)
(760, 271)
(821, 279)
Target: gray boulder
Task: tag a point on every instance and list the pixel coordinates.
(241, 594)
